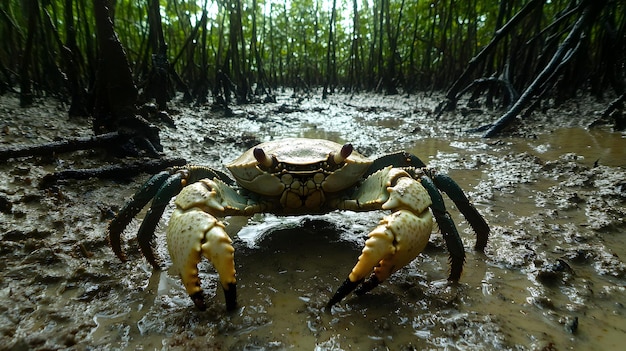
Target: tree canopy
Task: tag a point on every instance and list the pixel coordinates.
(244, 49)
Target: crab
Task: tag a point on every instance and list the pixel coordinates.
(299, 176)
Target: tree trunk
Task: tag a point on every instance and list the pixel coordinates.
(354, 73)
(158, 86)
(392, 37)
(26, 94)
(74, 66)
(116, 93)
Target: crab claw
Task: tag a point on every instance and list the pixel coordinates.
(396, 241)
(193, 233)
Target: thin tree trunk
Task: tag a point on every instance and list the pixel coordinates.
(381, 37)
(26, 94)
(74, 65)
(392, 38)
(354, 76)
(158, 82)
(116, 93)
(330, 52)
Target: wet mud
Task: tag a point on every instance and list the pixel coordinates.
(553, 275)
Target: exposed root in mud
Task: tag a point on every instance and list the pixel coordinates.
(115, 172)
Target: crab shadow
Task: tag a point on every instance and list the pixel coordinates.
(304, 244)
(308, 258)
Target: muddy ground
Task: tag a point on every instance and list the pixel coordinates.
(552, 277)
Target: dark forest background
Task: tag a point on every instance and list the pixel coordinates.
(106, 57)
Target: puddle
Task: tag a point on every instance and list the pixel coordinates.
(593, 145)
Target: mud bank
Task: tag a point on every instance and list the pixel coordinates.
(552, 277)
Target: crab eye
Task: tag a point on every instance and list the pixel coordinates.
(338, 158)
(261, 157)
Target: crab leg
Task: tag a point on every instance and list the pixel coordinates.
(448, 229)
(476, 221)
(171, 187)
(145, 234)
(398, 238)
(162, 187)
(398, 159)
(131, 209)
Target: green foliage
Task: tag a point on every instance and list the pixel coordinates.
(433, 39)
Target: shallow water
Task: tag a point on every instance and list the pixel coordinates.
(552, 276)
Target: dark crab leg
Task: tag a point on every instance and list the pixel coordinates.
(475, 220)
(170, 188)
(448, 229)
(398, 159)
(162, 187)
(131, 209)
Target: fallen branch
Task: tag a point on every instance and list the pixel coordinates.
(116, 172)
(82, 143)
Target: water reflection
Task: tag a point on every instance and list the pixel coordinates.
(606, 147)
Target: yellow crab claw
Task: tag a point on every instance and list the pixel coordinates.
(192, 233)
(395, 242)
